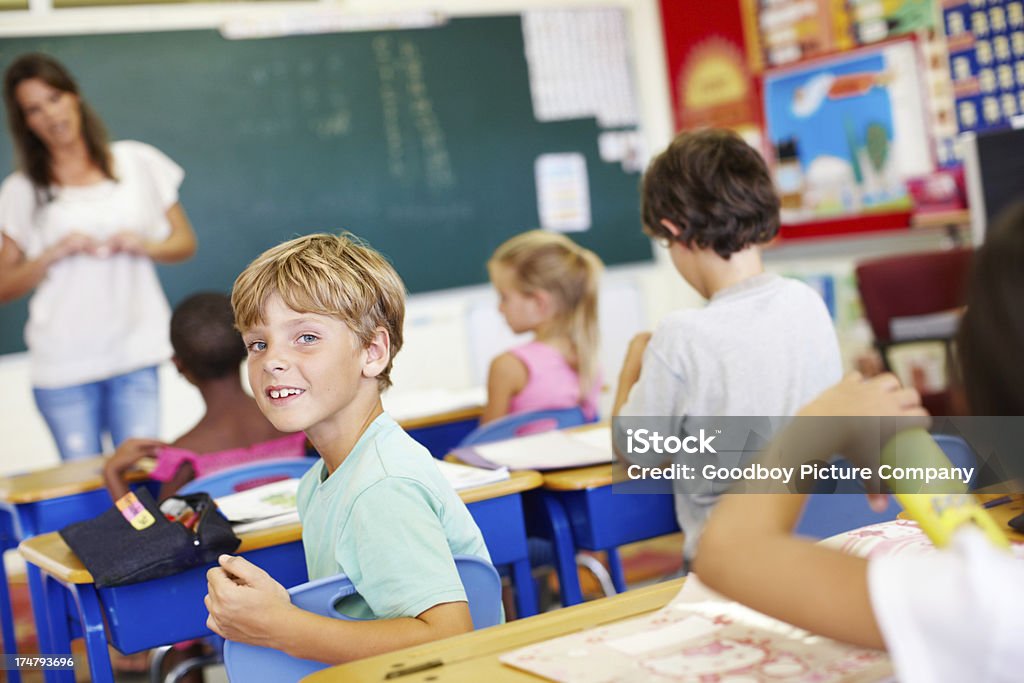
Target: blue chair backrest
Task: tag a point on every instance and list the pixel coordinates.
(828, 514)
(509, 426)
(251, 663)
(230, 480)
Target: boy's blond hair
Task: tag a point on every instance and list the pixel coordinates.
(571, 273)
(334, 275)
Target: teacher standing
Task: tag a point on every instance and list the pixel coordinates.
(82, 223)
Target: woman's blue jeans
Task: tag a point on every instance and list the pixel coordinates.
(123, 406)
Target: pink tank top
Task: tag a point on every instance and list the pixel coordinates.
(552, 383)
(169, 459)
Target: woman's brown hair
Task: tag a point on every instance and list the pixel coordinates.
(33, 156)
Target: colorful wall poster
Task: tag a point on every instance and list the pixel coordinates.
(847, 132)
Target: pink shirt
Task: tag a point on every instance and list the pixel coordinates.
(552, 383)
(169, 459)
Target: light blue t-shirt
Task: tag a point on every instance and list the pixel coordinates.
(389, 520)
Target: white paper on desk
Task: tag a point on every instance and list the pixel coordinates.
(262, 502)
(548, 451)
(466, 477)
(267, 523)
(699, 635)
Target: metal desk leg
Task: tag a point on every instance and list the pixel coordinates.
(526, 591)
(565, 550)
(37, 592)
(90, 615)
(615, 569)
(10, 645)
(54, 604)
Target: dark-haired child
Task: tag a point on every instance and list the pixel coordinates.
(208, 352)
(764, 345)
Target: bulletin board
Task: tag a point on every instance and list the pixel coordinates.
(847, 132)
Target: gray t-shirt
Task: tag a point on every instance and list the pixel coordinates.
(762, 347)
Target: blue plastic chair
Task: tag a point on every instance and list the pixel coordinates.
(508, 427)
(236, 478)
(828, 514)
(251, 663)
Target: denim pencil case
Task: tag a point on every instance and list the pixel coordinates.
(133, 541)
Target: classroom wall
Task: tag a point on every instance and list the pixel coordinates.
(447, 333)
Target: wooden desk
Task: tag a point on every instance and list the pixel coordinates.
(143, 615)
(473, 657)
(126, 616)
(42, 501)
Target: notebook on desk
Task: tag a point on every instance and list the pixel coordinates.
(261, 507)
(547, 451)
(699, 636)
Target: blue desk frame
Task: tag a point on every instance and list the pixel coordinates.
(596, 519)
(68, 610)
(128, 611)
(501, 521)
(21, 521)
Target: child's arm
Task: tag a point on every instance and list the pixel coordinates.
(247, 605)
(630, 372)
(124, 458)
(507, 377)
(747, 551)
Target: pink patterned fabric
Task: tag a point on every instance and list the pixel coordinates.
(552, 383)
(169, 459)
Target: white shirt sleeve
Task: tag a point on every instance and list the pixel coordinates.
(953, 616)
(164, 174)
(17, 203)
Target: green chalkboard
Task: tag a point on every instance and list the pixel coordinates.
(422, 141)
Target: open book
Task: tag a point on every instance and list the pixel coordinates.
(546, 451)
(261, 507)
(699, 636)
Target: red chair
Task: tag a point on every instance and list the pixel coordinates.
(913, 288)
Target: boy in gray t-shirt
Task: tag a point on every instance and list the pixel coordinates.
(763, 346)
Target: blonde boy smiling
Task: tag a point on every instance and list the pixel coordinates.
(321, 317)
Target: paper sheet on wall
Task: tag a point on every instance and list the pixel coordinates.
(563, 192)
(579, 61)
(699, 636)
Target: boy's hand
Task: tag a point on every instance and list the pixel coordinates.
(244, 602)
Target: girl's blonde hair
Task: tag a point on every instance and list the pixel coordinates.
(552, 262)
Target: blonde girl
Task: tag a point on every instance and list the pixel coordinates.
(547, 284)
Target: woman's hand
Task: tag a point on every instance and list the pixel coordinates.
(71, 244)
(126, 242)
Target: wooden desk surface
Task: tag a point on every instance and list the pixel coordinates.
(473, 657)
(457, 415)
(77, 476)
(50, 553)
